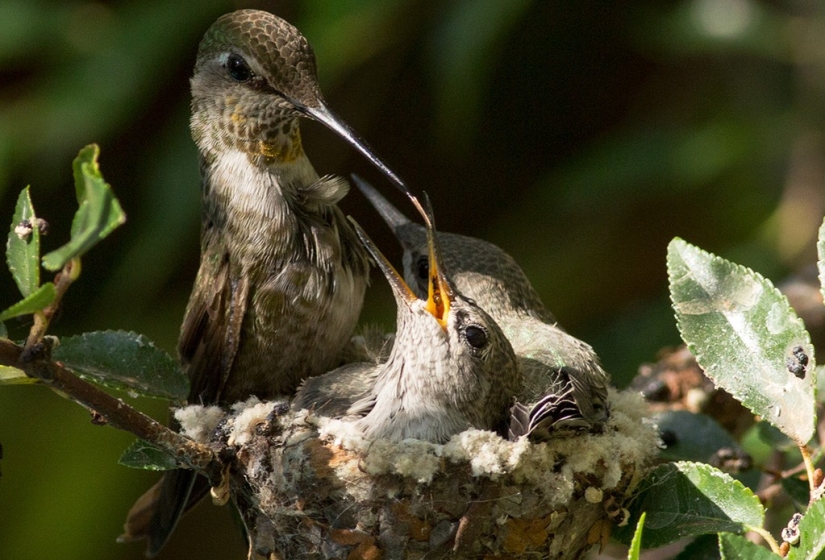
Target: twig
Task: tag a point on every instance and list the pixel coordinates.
(112, 410)
(768, 538)
(62, 281)
(809, 466)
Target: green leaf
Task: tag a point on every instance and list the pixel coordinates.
(3, 332)
(684, 499)
(38, 300)
(98, 215)
(23, 246)
(14, 376)
(123, 360)
(812, 534)
(143, 455)
(636, 543)
(703, 547)
(743, 332)
(697, 436)
(798, 490)
(734, 547)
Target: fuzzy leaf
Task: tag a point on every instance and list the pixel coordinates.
(23, 246)
(14, 376)
(812, 534)
(684, 499)
(636, 543)
(125, 361)
(99, 212)
(734, 547)
(36, 301)
(745, 336)
(143, 455)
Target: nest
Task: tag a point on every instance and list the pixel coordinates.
(311, 487)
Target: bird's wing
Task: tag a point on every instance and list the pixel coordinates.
(335, 393)
(210, 333)
(362, 406)
(209, 340)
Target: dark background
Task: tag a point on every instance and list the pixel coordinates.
(579, 136)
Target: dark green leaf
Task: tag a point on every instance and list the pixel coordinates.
(41, 298)
(125, 361)
(143, 455)
(23, 246)
(684, 499)
(696, 436)
(798, 490)
(14, 376)
(3, 332)
(703, 547)
(812, 534)
(98, 215)
(636, 543)
(734, 547)
(743, 332)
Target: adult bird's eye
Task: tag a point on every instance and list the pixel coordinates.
(476, 336)
(422, 268)
(238, 68)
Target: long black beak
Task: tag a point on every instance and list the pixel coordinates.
(322, 114)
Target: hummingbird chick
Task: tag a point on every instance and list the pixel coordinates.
(282, 275)
(564, 384)
(450, 367)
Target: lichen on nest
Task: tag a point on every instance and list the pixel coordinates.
(323, 490)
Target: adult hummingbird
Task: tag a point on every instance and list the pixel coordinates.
(450, 368)
(282, 274)
(564, 385)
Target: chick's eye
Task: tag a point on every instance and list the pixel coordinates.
(422, 268)
(238, 68)
(476, 336)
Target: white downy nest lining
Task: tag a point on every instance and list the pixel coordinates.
(320, 490)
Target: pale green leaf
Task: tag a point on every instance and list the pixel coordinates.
(745, 336)
(684, 499)
(734, 547)
(143, 455)
(812, 534)
(38, 300)
(14, 376)
(123, 360)
(99, 212)
(636, 544)
(23, 246)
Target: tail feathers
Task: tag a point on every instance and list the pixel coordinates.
(156, 513)
(550, 415)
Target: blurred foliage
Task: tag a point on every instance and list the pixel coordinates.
(581, 137)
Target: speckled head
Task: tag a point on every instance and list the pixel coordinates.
(254, 76)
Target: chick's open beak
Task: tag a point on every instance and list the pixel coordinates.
(399, 287)
(439, 291)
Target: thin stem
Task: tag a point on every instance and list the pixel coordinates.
(113, 411)
(809, 467)
(42, 319)
(767, 537)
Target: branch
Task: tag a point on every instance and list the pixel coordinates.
(110, 410)
(42, 319)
